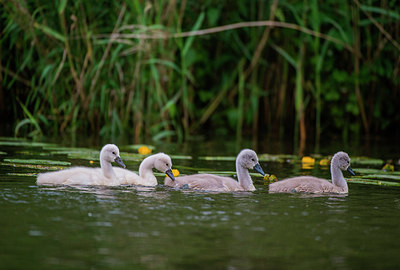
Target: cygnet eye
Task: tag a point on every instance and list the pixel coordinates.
(253, 160)
(113, 153)
(166, 164)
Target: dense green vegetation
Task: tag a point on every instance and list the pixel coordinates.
(136, 68)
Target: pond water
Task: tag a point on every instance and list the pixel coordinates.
(57, 227)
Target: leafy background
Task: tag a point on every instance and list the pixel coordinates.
(128, 68)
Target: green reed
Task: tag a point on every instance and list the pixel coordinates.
(116, 69)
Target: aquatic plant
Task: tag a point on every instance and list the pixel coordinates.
(170, 69)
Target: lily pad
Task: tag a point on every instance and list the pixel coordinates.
(271, 158)
(374, 171)
(12, 139)
(180, 157)
(221, 158)
(22, 174)
(24, 143)
(38, 161)
(34, 166)
(61, 149)
(373, 182)
(366, 161)
(3, 153)
(93, 155)
(381, 177)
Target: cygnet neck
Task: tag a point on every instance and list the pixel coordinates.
(337, 175)
(244, 176)
(106, 168)
(146, 166)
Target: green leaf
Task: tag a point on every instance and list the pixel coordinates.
(37, 161)
(190, 39)
(373, 182)
(163, 134)
(285, 55)
(386, 12)
(227, 158)
(49, 31)
(61, 6)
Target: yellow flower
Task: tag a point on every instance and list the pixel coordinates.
(144, 150)
(175, 172)
(268, 179)
(324, 162)
(91, 161)
(388, 168)
(307, 162)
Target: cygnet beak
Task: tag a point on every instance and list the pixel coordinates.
(350, 170)
(119, 161)
(258, 168)
(170, 174)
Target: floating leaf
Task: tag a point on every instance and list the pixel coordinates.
(227, 158)
(366, 161)
(22, 174)
(24, 143)
(3, 153)
(37, 161)
(374, 171)
(373, 182)
(381, 177)
(34, 166)
(276, 158)
(180, 157)
(66, 150)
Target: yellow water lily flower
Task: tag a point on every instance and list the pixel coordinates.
(175, 172)
(307, 159)
(268, 179)
(388, 168)
(91, 161)
(307, 162)
(144, 150)
(324, 162)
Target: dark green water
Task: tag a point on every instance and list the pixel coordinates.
(129, 227)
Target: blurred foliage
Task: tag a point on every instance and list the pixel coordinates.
(111, 68)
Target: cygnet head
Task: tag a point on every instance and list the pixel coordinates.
(247, 158)
(342, 160)
(110, 153)
(163, 164)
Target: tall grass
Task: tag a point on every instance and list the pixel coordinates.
(146, 70)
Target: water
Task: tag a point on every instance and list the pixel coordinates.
(158, 228)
